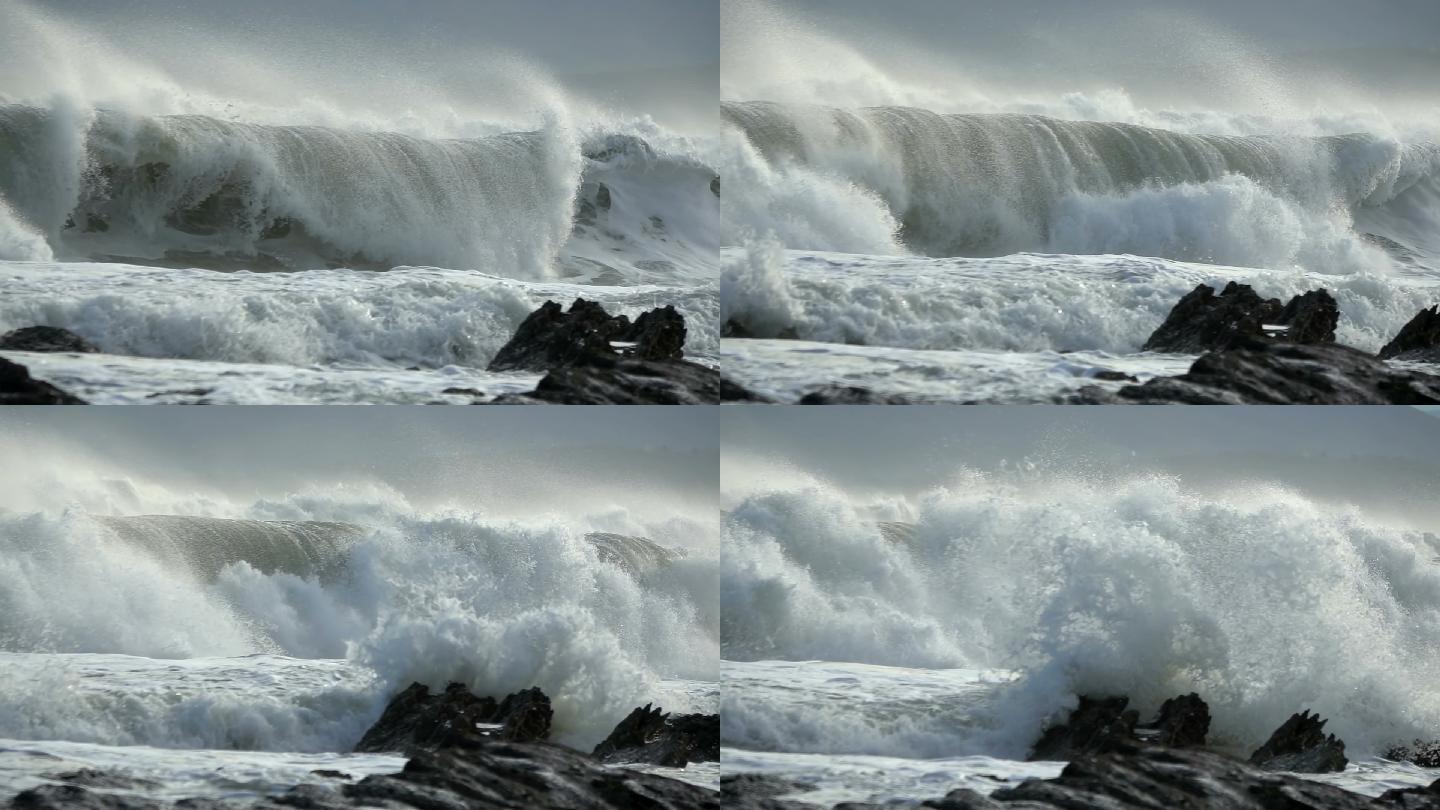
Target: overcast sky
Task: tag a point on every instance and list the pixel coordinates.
(658, 57)
(1386, 457)
(552, 459)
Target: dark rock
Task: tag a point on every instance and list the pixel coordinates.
(1266, 373)
(524, 716)
(96, 778)
(1301, 745)
(1111, 375)
(1155, 778)
(715, 185)
(1418, 340)
(608, 381)
(754, 791)
(649, 735)
(45, 339)
(1097, 724)
(1424, 753)
(17, 387)
(75, 797)
(1416, 798)
(326, 773)
(1183, 722)
(1203, 321)
(731, 391)
(550, 338)
(850, 395)
(469, 392)
(477, 772)
(1311, 318)
(658, 335)
(417, 718)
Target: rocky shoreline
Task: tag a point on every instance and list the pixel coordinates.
(589, 358)
(1253, 351)
(465, 752)
(1115, 763)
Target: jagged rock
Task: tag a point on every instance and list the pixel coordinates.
(1097, 724)
(649, 735)
(1301, 745)
(1203, 321)
(1311, 318)
(524, 716)
(417, 718)
(850, 395)
(1265, 373)
(550, 337)
(1418, 340)
(1426, 754)
(755, 791)
(1183, 722)
(608, 381)
(45, 339)
(1155, 778)
(470, 771)
(17, 387)
(658, 335)
(731, 391)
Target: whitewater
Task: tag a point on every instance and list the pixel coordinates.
(955, 239)
(232, 647)
(325, 248)
(897, 647)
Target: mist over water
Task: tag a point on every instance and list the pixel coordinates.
(362, 587)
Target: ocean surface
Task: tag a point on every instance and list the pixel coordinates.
(235, 656)
(236, 261)
(1010, 255)
(896, 648)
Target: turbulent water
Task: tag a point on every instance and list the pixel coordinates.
(340, 259)
(223, 656)
(935, 636)
(972, 234)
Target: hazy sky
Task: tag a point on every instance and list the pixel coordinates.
(550, 458)
(1279, 57)
(657, 57)
(1314, 448)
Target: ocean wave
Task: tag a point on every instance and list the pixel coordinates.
(499, 605)
(202, 191)
(1262, 600)
(994, 184)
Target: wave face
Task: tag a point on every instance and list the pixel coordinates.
(910, 180)
(1261, 600)
(199, 191)
(499, 605)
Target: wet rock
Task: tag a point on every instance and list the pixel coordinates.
(1424, 753)
(1203, 321)
(1301, 745)
(75, 797)
(731, 391)
(755, 791)
(45, 339)
(524, 716)
(649, 735)
(550, 338)
(97, 778)
(418, 718)
(1097, 724)
(850, 395)
(17, 387)
(1418, 340)
(1183, 722)
(1152, 778)
(1310, 318)
(1266, 373)
(327, 773)
(607, 381)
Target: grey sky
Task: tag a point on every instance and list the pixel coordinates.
(1384, 457)
(658, 57)
(660, 460)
